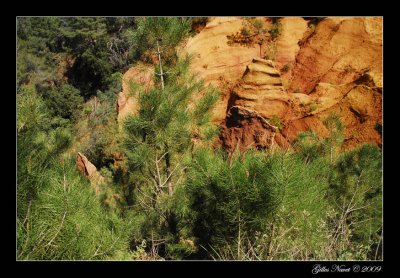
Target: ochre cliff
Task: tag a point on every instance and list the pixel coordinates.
(218, 63)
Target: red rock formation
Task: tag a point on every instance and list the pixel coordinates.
(258, 96)
(244, 129)
(358, 103)
(338, 51)
(338, 68)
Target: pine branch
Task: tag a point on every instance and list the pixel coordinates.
(59, 229)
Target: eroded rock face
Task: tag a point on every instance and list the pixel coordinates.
(89, 170)
(287, 44)
(339, 51)
(217, 62)
(358, 103)
(244, 129)
(213, 58)
(337, 69)
(261, 89)
(259, 96)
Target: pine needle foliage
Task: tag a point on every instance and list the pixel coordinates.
(59, 217)
(39, 139)
(166, 119)
(356, 193)
(67, 221)
(231, 197)
(158, 142)
(171, 30)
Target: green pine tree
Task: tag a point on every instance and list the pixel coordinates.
(159, 140)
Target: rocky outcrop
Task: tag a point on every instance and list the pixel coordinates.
(336, 67)
(213, 57)
(261, 89)
(139, 75)
(89, 170)
(85, 166)
(339, 51)
(287, 45)
(244, 129)
(259, 96)
(217, 62)
(358, 103)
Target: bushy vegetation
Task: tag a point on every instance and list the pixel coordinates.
(284, 206)
(58, 215)
(254, 32)
(171, 30)
(275, 30)
(83, 49)
(167, 192)
(230, 199)
(67, 221)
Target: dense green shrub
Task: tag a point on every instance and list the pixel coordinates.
(299, 230)
(64, 101)
(356, 192)
(67, 222)
(231, 198)
(305, 210)
(170, 30)
(39, 139)
(309, 146)
(58, 214)
(95, 47)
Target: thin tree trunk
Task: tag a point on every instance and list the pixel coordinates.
(168, 171)
(238, 243)
(269, 248)
(161, 71)
(331, 142)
